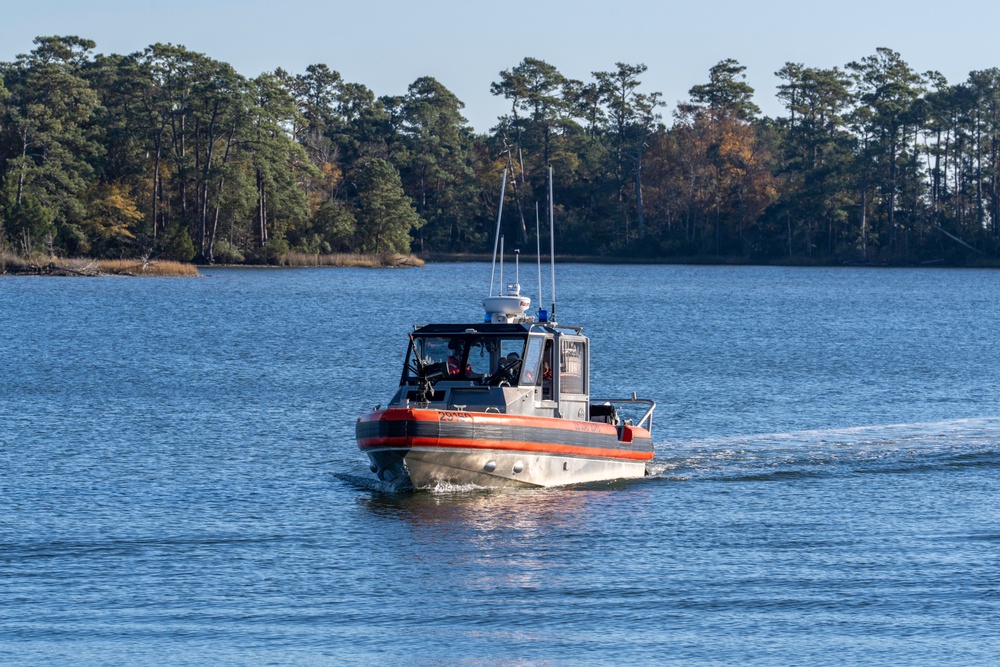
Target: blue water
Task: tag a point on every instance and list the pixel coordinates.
(179, 482)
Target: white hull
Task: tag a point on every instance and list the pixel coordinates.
(430, 467)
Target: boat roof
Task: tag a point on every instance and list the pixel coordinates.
(480, 327)
(490, 328)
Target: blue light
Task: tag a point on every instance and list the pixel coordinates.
(543, 315)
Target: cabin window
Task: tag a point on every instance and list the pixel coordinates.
(572, 365)
(495, 359)
(441, 355)
(546, 371)
(532, 357)
(477, 358)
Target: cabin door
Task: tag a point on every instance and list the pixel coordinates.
(572, 382)
(537, 373)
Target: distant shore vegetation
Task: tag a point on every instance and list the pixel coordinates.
(68, 266)
(51, 265)
(350, 259)
(170, 155)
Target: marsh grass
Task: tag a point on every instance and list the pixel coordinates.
(346, 259)
(59, 266)
(159, 268)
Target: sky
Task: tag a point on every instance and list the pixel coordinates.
(388, 44)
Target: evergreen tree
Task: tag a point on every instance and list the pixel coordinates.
(726, 90)
(817, 194)
(887, 89)
(280, 165)
(435, 166)
(630, 118)
(47, 145)
(385, 214)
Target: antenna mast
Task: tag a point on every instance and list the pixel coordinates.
(552, 248)
(538, 255)
(496, 237)
(501, 268)
(517, 269)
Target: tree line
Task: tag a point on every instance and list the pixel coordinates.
(169, 153)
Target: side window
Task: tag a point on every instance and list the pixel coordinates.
(572, 362)
(547, 371)
(532, 357)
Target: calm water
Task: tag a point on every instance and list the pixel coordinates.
(179, 482)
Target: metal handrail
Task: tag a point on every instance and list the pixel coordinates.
(646, 416)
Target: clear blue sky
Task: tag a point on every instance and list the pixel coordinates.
(387, 44)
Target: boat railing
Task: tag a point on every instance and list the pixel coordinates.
(554, 325)
(647, 416)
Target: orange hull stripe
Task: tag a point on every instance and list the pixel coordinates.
(504, 445)
(490, 419)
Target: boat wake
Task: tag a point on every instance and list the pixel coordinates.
(444, 488)
(365, 483)
(886, 449)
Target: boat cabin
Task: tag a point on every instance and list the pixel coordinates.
(538, 369)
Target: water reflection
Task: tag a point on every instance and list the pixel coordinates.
(511, 538)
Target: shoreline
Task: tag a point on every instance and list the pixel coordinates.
(446, 258)
(96, 268)
(89, 267)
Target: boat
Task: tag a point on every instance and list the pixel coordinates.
(503, 402)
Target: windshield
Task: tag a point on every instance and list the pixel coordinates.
(484, 359)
